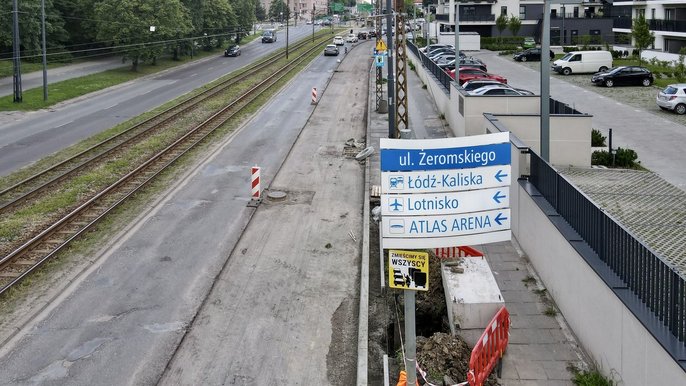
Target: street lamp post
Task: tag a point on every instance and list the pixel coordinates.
(287, 12)
(314, 8)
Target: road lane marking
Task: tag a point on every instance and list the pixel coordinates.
(64, 124)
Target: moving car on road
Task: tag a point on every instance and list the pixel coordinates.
(673, 97)
(624, 76)
(351, 38)
(338, 40)
(269, 36)
(331, 49)
(233, 50)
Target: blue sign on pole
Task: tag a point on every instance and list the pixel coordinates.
(445, 158)
(378, 59)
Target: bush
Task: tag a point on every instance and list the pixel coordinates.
(597, 138)
(624, 158)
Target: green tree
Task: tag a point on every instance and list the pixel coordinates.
(260, 12)
(501, 24)
(277, 8)
(643, 38)
(245, 15)
(30, 28)
(514, 24)
(127, 24)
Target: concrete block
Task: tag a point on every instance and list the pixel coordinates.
(472, 297)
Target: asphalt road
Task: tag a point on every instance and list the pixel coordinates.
(282, 292)
(33, 136)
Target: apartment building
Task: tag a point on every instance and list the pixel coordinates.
(302, 8)
(572, 22)
(666, 19)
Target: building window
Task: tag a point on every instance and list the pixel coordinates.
(641, 12)
(522, 12)
(652, 13)
(503, 11)
(670, 13)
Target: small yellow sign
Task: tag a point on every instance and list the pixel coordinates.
(380, 45)
(408, 270)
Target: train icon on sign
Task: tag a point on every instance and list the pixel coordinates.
(396, 182)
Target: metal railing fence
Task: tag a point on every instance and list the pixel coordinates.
(657, 284)
(443, 78)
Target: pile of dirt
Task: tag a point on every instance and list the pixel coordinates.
(444, 354)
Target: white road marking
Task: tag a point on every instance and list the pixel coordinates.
(109, 107)
(64, 124)
(194, 75)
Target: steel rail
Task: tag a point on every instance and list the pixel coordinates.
(34, 253)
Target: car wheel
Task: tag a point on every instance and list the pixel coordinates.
(602, 69)
(646, 82)
(609, 83)
(566, 71)
(523, 58)
(680, 109)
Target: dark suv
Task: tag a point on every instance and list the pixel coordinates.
(233, 50)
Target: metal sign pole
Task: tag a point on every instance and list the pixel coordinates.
(410, 338)
(391, 79)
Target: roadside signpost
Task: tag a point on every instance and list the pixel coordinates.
(439, 193)
(446, 192)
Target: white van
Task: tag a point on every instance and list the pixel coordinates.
(583, 62)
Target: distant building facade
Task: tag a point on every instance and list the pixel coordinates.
(666, 19)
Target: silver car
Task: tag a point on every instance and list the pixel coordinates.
(673, 97)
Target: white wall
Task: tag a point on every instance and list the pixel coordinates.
(607, 330)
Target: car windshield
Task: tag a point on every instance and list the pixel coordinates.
(566, 57)
(670, 90)
(615, 70)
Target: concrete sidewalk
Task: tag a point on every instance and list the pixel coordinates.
(541, 347)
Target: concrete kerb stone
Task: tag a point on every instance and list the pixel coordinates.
(363, 320)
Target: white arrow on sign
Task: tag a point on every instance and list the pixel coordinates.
(449, 225)
(445, 180)
(426, 204)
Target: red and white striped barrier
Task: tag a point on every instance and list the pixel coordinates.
(314, 95)
(455, 252)
(256, 192)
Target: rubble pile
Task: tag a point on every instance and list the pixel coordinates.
(446, 355)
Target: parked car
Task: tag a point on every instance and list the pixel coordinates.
(583, 62)
(338, 40)
(624, 76)
(233, 50)
(478, 83)
(673, 97)
(497, 90)
(431, 47)
(351, 38)
(331, 50)
(439, 52)
(474, 73)
(531, 54)
(529, 42)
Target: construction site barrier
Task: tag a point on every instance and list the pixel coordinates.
(455, 252)
(256, 192)
(490, 348)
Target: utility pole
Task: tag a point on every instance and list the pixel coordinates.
(379, 70)
(288, 10)
(401, 124)
(457, 43)
(45, 60)
(314, 9)
(545, 83)
(391, 80)
(17, 59)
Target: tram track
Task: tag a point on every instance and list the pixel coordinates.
(52, 239)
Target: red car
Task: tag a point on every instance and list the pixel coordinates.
(467, 73)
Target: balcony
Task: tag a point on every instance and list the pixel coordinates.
(653, 24)
(468, 18)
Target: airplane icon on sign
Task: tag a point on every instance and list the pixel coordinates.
(396, 205)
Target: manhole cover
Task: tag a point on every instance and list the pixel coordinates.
(276, 195)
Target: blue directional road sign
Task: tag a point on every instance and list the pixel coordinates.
(448, 180)
(445, 192)
(426, 204)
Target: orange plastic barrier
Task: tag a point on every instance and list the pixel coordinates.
(490, 348)
(402, 379)
(453, 252)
